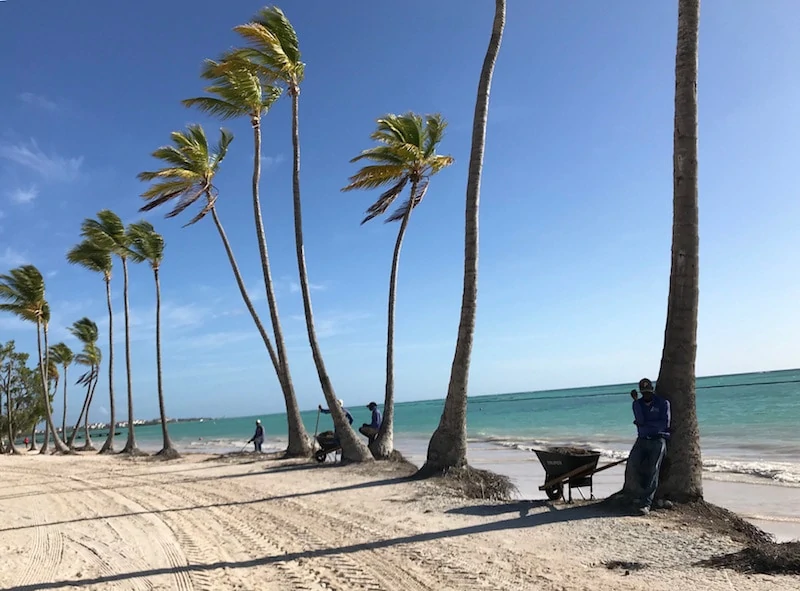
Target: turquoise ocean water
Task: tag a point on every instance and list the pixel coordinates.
(750, 423)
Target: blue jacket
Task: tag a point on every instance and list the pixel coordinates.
(376, 419)
(346, 412)
(652, 420)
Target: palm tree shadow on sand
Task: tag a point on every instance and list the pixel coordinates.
(555, 515)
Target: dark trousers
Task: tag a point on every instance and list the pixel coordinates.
(646, 457)
(368, 431)
(257, 443)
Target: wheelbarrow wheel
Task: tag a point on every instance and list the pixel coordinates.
(320, 456)
(554, 492)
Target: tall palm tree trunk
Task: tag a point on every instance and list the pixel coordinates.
(353, 449)
(130, 444)
(448, 445)
(84, 412)
(243, 290)
(10, 414)
(383, 445)
(33, 437)
(43, 362)
(64, 415)
(167, 449)
(676, 378)
(88, 445)
(299, 443)
(108, 446)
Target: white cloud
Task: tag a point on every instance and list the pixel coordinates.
(334, 324)
(51, 274)
(270, 161)
(37, 100)
(12, 258)
(51, 167)
(294, 287)
(24, 195)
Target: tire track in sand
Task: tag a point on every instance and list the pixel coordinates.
(46, 553)
(293, 536)
(245, 537)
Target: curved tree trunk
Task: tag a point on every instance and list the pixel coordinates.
(130, 444)
(88, 445)
(108, 446)
(243, 290)
(46, 442)
(64, 415)
(167, 451)
(43, 361)
(299, 442)
(10, 415)
(33, 437)
(84, 412)
(353, 449)
(676, 378)
(383, 445)
(448, 445)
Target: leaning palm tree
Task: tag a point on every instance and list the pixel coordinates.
(63, 356)
(405, 154)
(188, 177)
(448, 445)
(149, 246)
(238, 90)
(676, 378)
(22, 293)
(108, 233)
(96, 258)
(85, 330)
(274, 49)
(52, 383)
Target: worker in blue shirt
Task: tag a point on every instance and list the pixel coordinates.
(370, 430)
(653, 420)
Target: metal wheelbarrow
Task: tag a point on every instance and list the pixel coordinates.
(574, 467)
(327, 444)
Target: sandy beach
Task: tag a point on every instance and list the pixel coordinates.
(200, 523)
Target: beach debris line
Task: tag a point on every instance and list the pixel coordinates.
(767, 558)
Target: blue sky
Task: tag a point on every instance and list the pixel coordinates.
(576, 209)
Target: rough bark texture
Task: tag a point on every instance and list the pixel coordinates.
(33, 438)
(84, 412)
(43, 364)
(130, 444)
(242, 289)
(682, 475)
(12, 448)
(167, 449)
(448, 445)
(64, 414)
(108, 446)
(383, 445)
(353, 449)
(299, 443)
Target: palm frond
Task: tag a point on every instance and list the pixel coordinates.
(147, 243)
(274, 46)
(411, 202)
(385, 200)
(374, 176)
(22, 292)
(61, 354)
(90, 256)
(216, 107)
(85, 330)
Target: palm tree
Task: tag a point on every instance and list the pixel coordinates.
(148, 245)
(239, 91)
(275, 51)
(406, 153)
(63, 356)
(448, 445)
(188, 177)
(85, 330)
(108, 232)
(52, 381)
(676, 378)
(22, 293)
(94, 257)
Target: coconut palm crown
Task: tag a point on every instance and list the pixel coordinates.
(189, 174)
(406, 153)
